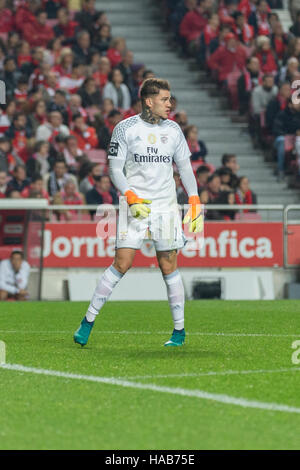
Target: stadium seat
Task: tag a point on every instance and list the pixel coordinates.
(248, 217)
(97, 155)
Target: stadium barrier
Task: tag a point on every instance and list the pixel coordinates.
(250, 241)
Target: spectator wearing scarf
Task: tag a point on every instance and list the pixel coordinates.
(249, 79)
(243, 194)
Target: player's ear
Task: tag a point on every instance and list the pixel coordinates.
(148, 102)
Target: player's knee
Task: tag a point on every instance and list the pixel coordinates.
(167, 269)
(167, 262)
(122, 265)
(167, 266)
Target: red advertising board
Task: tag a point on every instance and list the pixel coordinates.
(225, 245)
(293, 254)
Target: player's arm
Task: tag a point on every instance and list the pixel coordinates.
(194, 216)
(117, 156)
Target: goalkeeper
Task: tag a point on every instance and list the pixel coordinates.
(141, 153)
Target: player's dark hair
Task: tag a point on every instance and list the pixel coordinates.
(152, 86)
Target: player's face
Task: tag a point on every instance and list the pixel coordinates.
(160, 104)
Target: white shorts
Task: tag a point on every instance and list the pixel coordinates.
(163, 227)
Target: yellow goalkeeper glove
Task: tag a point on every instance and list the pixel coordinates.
(137, 205)
(194, 215)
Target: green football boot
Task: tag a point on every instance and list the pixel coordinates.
(177, 338)
(81, 335)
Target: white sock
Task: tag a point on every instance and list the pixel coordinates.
(107, 282)
(175, 292)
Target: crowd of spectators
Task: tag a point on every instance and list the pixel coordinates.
(69, 81)
(244, 49)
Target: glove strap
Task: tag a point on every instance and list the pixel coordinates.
(131, 197)
(194, 200)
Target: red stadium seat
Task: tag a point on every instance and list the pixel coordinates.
(248, 217)
(97, 155)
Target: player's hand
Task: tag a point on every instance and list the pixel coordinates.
(137, 205)
(194, 216)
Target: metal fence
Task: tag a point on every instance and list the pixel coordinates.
(288, 215)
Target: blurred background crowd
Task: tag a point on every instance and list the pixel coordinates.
(69, 81)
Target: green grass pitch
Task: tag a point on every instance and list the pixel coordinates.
(239, 350)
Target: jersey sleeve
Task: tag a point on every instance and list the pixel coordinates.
(182, 151)
(118, 145)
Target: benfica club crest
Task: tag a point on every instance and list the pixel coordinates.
(164, 138)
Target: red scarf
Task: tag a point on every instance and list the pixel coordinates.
(263, 25)
(279, 47)
(209, 34)
(282, 102)
(107, 197)
(247, 33)
(243, 199)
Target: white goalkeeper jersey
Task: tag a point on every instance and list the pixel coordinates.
(149, 151)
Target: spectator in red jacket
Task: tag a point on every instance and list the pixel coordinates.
(6, 18)
(194, 21)
(136, 108)
(101, 75)
(35, 189)
(69, 196)
(65, 28)
(243, 31)
(24, 54)
(265, 55)
(243, 194)
(37, 33)
(25, 14)
(65, 62)
(86, 136)
(228, 58)
(246, 7)
(259, 18)
(116, 51)
(279, 41)
(226, 12)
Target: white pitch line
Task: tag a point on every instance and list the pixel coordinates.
(215, 373)
(216, 397)
(125, 332)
